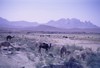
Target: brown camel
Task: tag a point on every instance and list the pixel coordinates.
(44, 46)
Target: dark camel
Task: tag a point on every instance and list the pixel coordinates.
(9, 37)
(5, 44)
(63, 50)
(44, 46)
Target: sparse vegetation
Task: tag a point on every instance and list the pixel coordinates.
(26, 53)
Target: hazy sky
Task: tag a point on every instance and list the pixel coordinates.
(45, 10)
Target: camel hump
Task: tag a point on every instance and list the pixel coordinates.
(43, 44)
(8, 36)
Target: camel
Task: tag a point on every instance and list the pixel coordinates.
(63, 50)
(44, 46)
(5, 44)
(9, 37)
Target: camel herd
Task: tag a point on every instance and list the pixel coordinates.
(8, 44)
(63, 50)
(43, 45)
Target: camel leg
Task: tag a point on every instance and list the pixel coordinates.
(0, 50)
(46, 50)
(7, 39)
(40, 50)
(61, 54)
(8, 49)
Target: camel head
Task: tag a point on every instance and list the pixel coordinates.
(13, 36)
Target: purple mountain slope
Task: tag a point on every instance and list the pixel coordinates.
(16, 24)
(4, 23)
(62, 25)
(43, 28)
(24, 24)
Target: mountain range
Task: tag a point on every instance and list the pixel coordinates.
(71, 23)
(62, 25)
